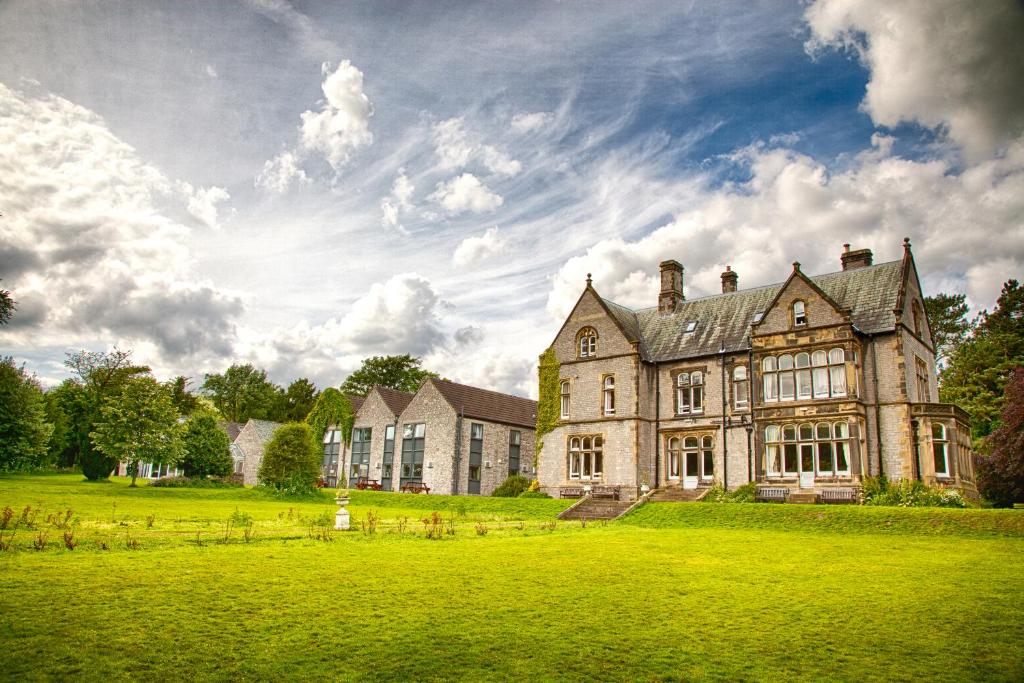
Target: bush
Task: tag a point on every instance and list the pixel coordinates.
(207, 447)
(197, 482)
(533, 494)
(512, 487)
(908, 493)
(742, 494)
(291, 460)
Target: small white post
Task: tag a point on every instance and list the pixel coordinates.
(341, 517)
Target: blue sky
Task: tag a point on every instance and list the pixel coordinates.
(302, 185)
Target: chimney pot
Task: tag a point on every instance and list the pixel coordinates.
(730, 280)
(859, 258)
(671, 286)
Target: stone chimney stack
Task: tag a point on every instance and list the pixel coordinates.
(671, 287)
(855, 259)
(730, 280)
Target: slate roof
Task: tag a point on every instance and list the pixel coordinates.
(231, 428)
(356, 401)
(870, 293)
(395, 400)
(265, 428)
(484, 404)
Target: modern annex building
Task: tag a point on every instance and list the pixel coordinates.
(807, 385)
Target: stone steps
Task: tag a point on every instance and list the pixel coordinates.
(597, 509)
(676, 495)
(804, 497)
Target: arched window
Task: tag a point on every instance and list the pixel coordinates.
(740, 388)
(799, 313)
(803, 375)
(821, 374)
(787, 382)
(585, 458)
(772, 451)
(707, 457)
(940, 449)
(586, 343)
(821, 449)
(608, 395)
(675, 457)
(564, 391)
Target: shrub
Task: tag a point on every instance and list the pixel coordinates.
(291, 460)
(196, 482)
(207, 447)
(533, 494)
(908, 493)
(742, 494)
(512, 487)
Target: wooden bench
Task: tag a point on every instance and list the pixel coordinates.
(840, 496)
(774, 494)
(415, 487)
(605, 491)
(364, 483)
(570, 492)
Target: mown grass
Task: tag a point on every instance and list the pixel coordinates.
(664, 595)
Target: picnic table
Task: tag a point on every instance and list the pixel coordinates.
(364, 483)
(415, 487)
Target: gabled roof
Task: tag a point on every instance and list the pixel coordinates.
(264, 428)
(356, 401)
(484, 404)
(232, 429)
(395, 400)
(723, 320)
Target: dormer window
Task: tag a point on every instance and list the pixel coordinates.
(587, 342)
(799, 313)
(690, 327)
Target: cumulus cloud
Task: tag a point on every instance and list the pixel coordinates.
(479, 247)
(456, 149)
(969, 224)
(945, 64)
(342, 125)
(279, 173)
(466, 193)
(101, 237)
(397, 316)
(397, 202)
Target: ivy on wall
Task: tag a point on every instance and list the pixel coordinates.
(548, 372)
(332, 408)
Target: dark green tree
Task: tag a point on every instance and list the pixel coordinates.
(947, 316)
(7, 306)
(291, 459)
(331, 408)
(1001, 472)
(403, 373)
(299, 399)
(139, 423)
(243, 392)
(206, 447)
(184, 401)
(24, 431)
(101, 375)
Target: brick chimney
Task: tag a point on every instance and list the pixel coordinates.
(671, 286)
(730, 280)
(855, 259)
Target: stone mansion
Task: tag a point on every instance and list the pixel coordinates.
(807, 385)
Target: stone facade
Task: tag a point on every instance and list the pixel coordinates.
(837, 371)
(252, 440)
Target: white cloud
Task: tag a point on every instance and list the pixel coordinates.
(396, 316)
(456, 149)
(529, 122)
(279, 173)
(397, 202)
(210, 71)
(202, 203)
(479, 247)
(466, 193)
(342, 125)
(944, 64)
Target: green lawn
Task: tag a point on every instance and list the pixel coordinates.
(673, 592)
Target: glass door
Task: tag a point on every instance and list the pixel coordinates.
(691, 473)
(807, 465)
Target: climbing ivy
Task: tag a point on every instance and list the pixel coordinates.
(331, 408)
(548, 371)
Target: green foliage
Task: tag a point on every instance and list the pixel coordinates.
(24, 431)
(402, 373)
(7, 306)
(1001, 472)
(947, 318)
(299, 398)
(185, 402)
(533, 494)
(741, 494)
(139, 423)
(332, 408)
(976, 376)
(515, 485)
(548, 400)
(206, 447)
(244, 392)
(291, 461)
(908, 493)
(196, 483)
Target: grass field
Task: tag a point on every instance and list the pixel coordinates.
(672, 592)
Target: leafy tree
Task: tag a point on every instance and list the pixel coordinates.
(68, 411)
(976, 376)
(206, 447)
(403, 373)
(101, 375)
(1001, 473)
(299, 399)
(291, 459)
(331, 408)
(24, 432)
(7, 306)
(243, 392)
(185, 402)
(947, 316)
(139, 423)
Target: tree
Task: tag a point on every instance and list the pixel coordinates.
(291, 459)
(978, 370)
(402, 373)
(242, 392)
(68, 411)
(1001, 473)
(331, 408)
(184, 401)
(299, 399)
(24, 432)
(101, 375)
(139, 423)
(206, 449)
(947, 316)
(7, 306)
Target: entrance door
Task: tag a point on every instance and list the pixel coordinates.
(807, 466)
(691, 473)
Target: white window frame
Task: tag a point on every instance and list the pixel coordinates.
(564, 396)
(608, 394)
(799, 313)
(940, 444)
(740, 384)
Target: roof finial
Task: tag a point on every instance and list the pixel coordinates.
(796, 265)
(588, 280)
(906, 243)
